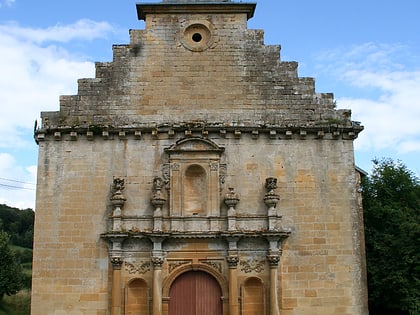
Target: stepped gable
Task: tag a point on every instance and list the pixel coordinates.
(225, 76)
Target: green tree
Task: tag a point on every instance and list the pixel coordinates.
(10, 271)
(391, 200)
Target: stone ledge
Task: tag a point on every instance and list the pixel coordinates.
(326, 132)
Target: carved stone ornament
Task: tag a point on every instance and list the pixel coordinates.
(116, 262)
(231, 198)
(214, 264)
(157, 261)
(271, 184)
(140, 268)
(176, 264)
(118, 198)
(232, 261)
(158, 199)
(273, 260)
(271, 198)
(249, 266)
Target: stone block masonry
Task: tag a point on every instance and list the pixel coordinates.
(197, 153)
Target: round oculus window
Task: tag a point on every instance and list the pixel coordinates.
(197, 37)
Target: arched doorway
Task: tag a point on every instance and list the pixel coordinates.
(195, 293)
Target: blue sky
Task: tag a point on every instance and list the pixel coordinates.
(366, 52)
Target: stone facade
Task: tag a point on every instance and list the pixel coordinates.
(196, 151)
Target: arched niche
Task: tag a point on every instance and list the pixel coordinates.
(253, 300)
(136, 298)
(194, 175)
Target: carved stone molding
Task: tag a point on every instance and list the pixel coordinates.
(140, 268)
(249, 265)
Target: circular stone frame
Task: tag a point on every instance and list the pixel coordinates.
(198, 36)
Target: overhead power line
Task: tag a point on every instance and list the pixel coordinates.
(15, 186)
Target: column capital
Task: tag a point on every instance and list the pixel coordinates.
(273, 260)
(157, 261)
(116, 262)
(232, 261)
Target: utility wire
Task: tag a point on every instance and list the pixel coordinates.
(16, 181)
(14, 186)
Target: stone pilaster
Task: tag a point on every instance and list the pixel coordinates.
(116, 262)
(157, 285)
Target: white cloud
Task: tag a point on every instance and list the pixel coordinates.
(84, 29)
(389, 79)
(36, 70)
(19, 194)
(7, 3)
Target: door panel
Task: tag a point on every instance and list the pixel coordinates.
(195, 293)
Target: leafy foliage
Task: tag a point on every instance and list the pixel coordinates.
(391, 200)
(11, 276)
(19, 224)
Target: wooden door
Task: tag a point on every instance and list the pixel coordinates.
(195, 293)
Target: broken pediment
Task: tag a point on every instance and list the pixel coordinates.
(194, 145)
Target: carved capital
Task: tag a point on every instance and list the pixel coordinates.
(273, 260)
(232, 261)
(157, 261)
(116, 262)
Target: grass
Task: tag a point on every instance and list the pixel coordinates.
(18, 304)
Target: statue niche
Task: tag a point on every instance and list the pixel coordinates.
(194, 178)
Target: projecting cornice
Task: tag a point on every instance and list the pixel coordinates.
(329, 131)
(195, 8)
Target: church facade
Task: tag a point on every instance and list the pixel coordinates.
(197, 174)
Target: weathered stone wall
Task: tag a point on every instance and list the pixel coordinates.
(235, 92)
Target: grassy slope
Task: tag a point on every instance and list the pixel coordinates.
(18, 304)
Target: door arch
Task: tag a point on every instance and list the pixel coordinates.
(195, 293)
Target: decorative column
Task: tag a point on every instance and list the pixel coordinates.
(232, 260)
(117, 201)
(231, 200)
(115, 256)
(273, 258)
(271, 199)
(157, 261)
(158, 200)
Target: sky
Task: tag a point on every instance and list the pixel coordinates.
(365, 52)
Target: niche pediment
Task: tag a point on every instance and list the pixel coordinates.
(194, 145)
